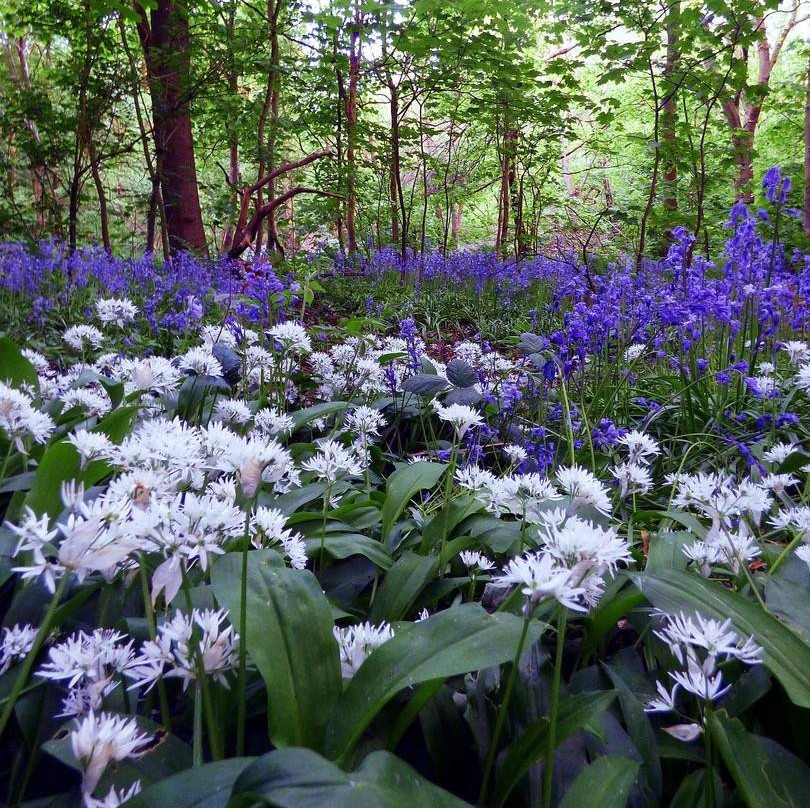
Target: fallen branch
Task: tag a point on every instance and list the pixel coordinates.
(246, 236)
(246, 193)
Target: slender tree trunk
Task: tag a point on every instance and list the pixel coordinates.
(394, 184)
(645, 216)
(165, 42)
(339, 108)
(806, 208)
(355, 53)
(155, 197)
(669, 113)
(102, 196)
(507, 179)
(21, 76)
(455, 227)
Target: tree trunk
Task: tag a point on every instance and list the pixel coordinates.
(669, 115)
(165, 42)
(355, 53)
(806, 208)
(507, 179)
(102, 197)
(394, 190)
(455, 226)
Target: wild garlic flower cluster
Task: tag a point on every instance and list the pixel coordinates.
(333, 461)
(16, 643)
(21, 420)
(267, 529)
(633, 475)
(357, 642)
(571, 565)
(116, 311)
(699, 644)
(731, 506)
(175, 496)
(101, 739)
(186, 646)
(90, 665)
(459, 416)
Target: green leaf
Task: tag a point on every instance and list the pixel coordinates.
(767, 775)
(15, 369)
(300, 778)
(455, 641)
(576, 712)
(343, 545)
(289, 637)
(785, 654)
(403, 484)
(401, 586)
(61, 462)
(302, 417)
(443, 523)
(424, 384)
(638, 725)
(692, 791)
(206, 786)
(461, 374)
(605, 783)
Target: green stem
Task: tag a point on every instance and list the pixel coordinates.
(503, 708)
(165, 715)
(197, 753)
(785, 553)
(28, 662)
(568, 427)
(548, 770)
(711, 799)
(241, 714)
(326, 499)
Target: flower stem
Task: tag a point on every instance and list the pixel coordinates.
(242, 684)
(197, 751)
(28, 662)
(503, 709)
(165, 715)
(548, 770)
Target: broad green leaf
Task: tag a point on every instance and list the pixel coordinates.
(442, 525)
(206, 786)
(403, 484)
(343, 545)
(692, 791)
(605, 783)
(290, 502)
(300, 778)
(450, 643)
(306, 416)
(15, 369)
(61, 462)
(461, 374)
(425, 385)
(784, 652)
(575, 713)
(767, 775)
(638, 725)
(401, 586)
(289, 637)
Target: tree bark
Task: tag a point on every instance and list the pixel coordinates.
(806, 207)
(165, 42)
(742, 114)
(267, 209)
(355, 54)
(669, 111)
